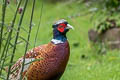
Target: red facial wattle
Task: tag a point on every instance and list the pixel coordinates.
(61, 27)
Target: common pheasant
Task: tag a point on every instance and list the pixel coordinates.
(54, 56)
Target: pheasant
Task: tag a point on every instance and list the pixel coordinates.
(55, 56)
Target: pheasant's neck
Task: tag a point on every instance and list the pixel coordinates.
(58, 37)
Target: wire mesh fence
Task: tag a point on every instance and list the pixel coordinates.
(10, 32)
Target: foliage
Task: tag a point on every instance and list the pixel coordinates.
(112, 3)
(107, 23)
(54, 1)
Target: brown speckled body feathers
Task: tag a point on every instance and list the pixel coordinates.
(51, 67)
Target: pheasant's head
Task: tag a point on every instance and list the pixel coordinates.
(60, 28)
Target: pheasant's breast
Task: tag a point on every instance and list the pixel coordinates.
(53, 62)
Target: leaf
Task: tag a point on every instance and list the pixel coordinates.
(24, 39)
(3, 77)
(34, 61)
(24, 29)
(8, 64)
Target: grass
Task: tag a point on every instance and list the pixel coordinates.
(94, 66)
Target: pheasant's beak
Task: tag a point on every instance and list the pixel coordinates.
(69, 26)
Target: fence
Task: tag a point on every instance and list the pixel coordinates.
(10, 35)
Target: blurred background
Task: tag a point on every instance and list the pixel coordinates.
(91, 58)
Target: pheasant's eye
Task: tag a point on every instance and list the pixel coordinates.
(61, 27)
